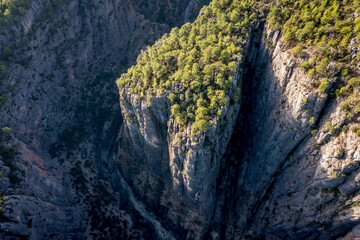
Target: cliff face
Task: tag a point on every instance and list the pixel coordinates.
(278, 177)
(289, 181)
(172, 171)
(84, 168)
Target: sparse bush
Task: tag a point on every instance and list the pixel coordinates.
(297, 52)
(305, 66)
(311, 121)
(322, 66)
(357, 109)
(200, 126)
(330, 127)
(172, 97)
(314, 132)
(6, 130)
(353, 82)
(324, 85)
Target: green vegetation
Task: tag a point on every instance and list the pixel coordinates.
(14, 39)
(311, 121)
(2, 205)
(194, 66)
(314, 132)
(305, 66)
(324, 85)
(324, 30)
(330, 127)
(6, 130)
(342, 151)
(297, 51)
(12, 11)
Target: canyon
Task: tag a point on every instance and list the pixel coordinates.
(92, 163)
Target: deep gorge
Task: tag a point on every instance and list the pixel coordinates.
(80, 161)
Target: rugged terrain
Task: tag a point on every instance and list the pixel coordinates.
(80, 164)
(64, 116)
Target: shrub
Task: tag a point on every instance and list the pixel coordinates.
(172, 97)
(297, 52)
(175, 109)
(312, 73)
(314, 132)
(322, 66)
(305, 66)
(6, 130)
(353, 82)
(324, 85)
(312, 60)
(200, 126)
(343, 91)
(357, 109)
(311, 121)
(236, 99)
(344, 72)
(342, 151)
(330, 127)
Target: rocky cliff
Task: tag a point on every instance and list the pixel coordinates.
(173, 171)
(282, 163)
(288, 182)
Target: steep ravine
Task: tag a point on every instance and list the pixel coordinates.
(280, 180)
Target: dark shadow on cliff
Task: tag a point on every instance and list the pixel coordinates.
(252, 178)
(256, 157)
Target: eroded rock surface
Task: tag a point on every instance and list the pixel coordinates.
(65, 118)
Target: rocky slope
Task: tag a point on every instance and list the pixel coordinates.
(77, 166)
(64, 114)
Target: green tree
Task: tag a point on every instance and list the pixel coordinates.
(200, 126)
